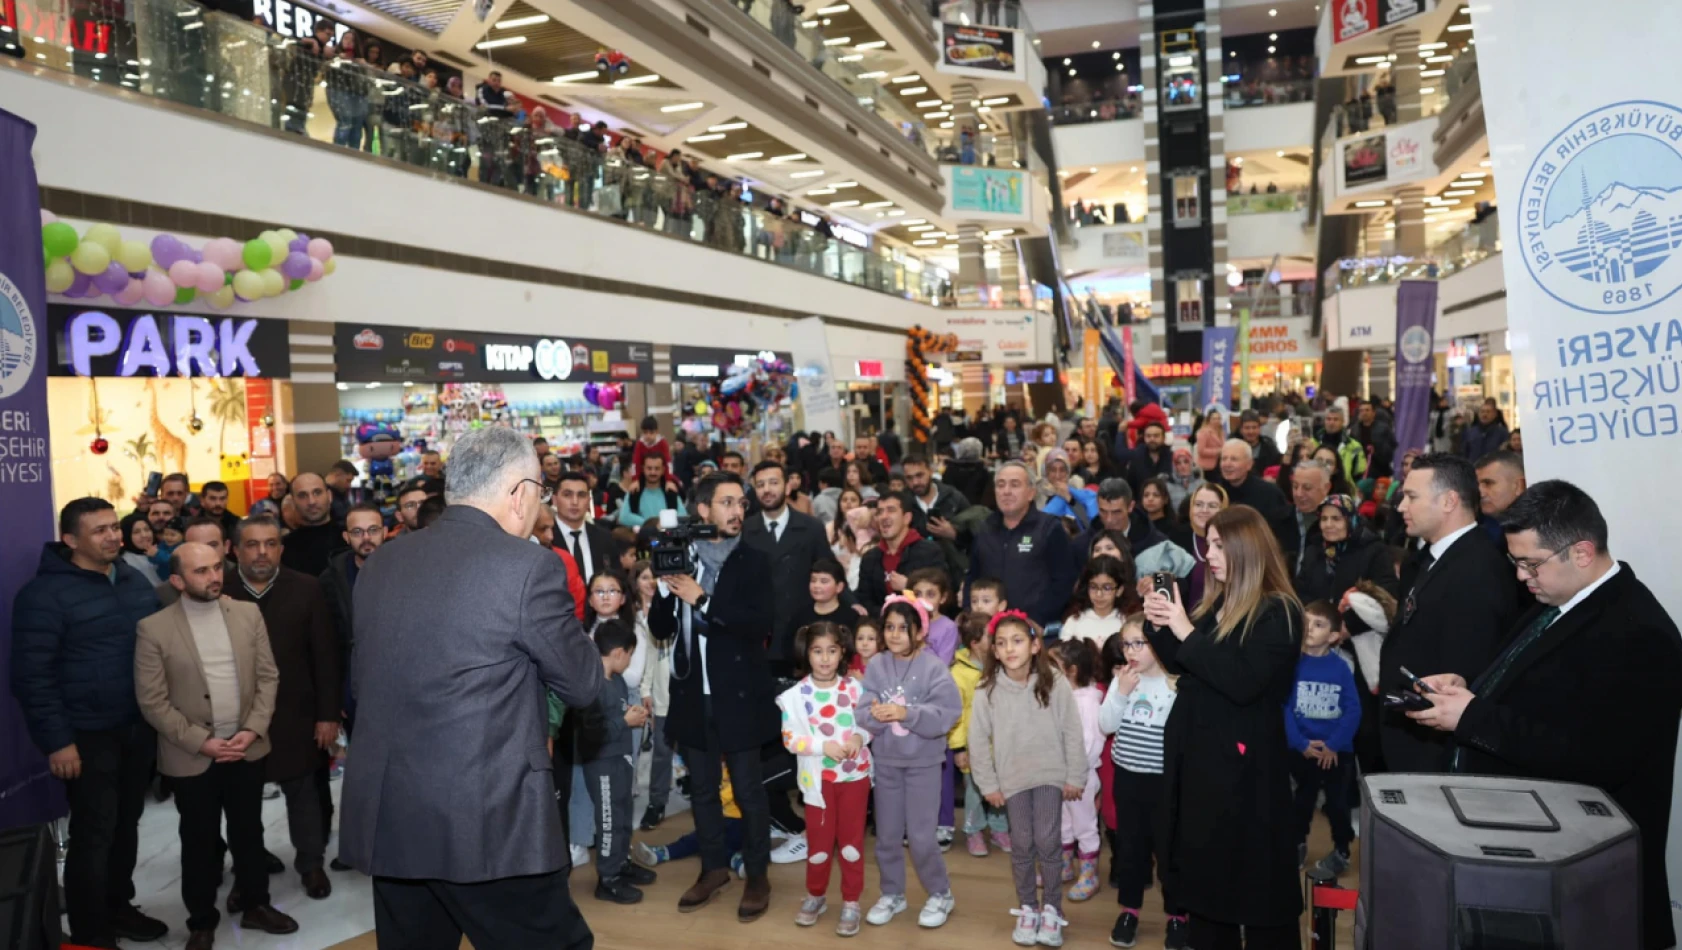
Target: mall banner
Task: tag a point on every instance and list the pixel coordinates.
(1357, 18)
(985, 52)
(1218, 344)
(1416, 328)
(29, 795)
(808, 340)
(1588, 162)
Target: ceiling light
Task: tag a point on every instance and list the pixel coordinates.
(850, 59)
(929, 243)
(1272, 12)
(1001, 100)
(1439, 59)
(1092, 171)
(1279, 154)
(1371, 204)
(1459, 27)
(843, 184)
(1120, 68)
(684, 107)
(1423, 47)
(638, 80)
(1115, 55)
(1273, 36)
(1065, 60)
(1233, 54)
(984, 109)
(1133, 170)
(916, 221)
(808, 24)
(831, 11)
(814, 173)
(523, 21)
(821, 191)
(877, 204)
(726, 127)
(493, 44)
(792, 157)
(929, 103)
(897, 213)
(744, 156)
(838, 41)
(947, 124)
(936, 115)
(878, 74)
(1484, 164)
(899, 79)
(921, 227)
(576, 77)
(1096, 44)
(913, 90)
(1477, 175)
(873, 44)
(1423, 73)
(1071, 72)
(1427, 90)
(1271, 50)
(1435, 210)
(1459, 193)
(707, 138)
(843, 204)
(1370, 60)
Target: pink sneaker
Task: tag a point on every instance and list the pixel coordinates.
(1001, 840)
(977, 844)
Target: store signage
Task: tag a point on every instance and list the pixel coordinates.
(1371, 161)
(1172, 370)
(1001, 336)
(868, 369)
(419, 341)
(111, 342)
(964, 356)
(709, 363)
(405, 354)
(849, 234)
(368, 340)
(983, 51)
(1355, 18)
(699, 371)
(56, 28)
(291, 19)
(1286, 338)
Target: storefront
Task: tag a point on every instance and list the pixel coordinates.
(433, 386)
(138, 392)
(697, 369)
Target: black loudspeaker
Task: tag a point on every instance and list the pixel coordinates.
(29, 889)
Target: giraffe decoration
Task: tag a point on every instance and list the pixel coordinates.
(171, 451)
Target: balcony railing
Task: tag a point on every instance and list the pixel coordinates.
(1262, 202)
(1246, 94)
(1005, 13)
(1477, 241)
(1098, 110)
(178, 51)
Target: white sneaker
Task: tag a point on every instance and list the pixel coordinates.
(1051, 927)
(935, 912)
(792, 851)
(1027, 926)
(886, 908)
(580, 857)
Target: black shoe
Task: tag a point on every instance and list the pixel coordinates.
(275, 865)
(638, 875)
(1175, 938)
(339, 865)
(130, 924)
(234, 903)
(651, 818)
(1125, 933)
(618, 890)
(316, 885)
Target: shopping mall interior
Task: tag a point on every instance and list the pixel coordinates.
(278, 225)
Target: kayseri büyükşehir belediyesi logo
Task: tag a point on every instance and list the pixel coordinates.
(1605, 233)
(1416, 345)
(17, 339)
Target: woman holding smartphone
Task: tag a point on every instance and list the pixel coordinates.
(1230, 842)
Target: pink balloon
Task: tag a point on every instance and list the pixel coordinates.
(211, 278)
(224, 253)
(184, 273)
(47, 217)
(317, 270)
(159, 289)
(320, 248)
(130, 295)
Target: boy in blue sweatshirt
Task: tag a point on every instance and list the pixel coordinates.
(1320, 723)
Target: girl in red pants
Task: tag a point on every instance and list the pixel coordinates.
(820, 729)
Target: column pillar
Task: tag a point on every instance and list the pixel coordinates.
(309, 429)
(1410, 222)
(1404, 74)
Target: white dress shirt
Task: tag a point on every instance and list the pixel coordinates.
(583, 556)
(1439, 547)
(1583, 594)
(777, 525)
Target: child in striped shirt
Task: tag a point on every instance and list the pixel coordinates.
(1136, 710)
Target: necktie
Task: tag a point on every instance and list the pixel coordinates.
(1425, 561)
(777, 530)
(578, 552)
(1492, 677)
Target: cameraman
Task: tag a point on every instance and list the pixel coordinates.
(723, 703)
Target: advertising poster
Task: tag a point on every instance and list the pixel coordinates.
(1092, 370)
(994, 191)
(979, 49)
(1218, 344)
(29, 794)
(1355, 18)
(1590, 151)
(809, 342)
(1416, 327)
(1389, 157)
(1363, 161)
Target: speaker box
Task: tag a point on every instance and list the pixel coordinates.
(1471, 862)
(29, 889)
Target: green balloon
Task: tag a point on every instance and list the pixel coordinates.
(258, 254)
(228, 278)
(296, 283)
(58, 239)
(185, 295)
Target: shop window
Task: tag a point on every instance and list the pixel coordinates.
(1188, 200)
(1188, 303)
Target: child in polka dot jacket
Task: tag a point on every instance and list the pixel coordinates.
(820, 728)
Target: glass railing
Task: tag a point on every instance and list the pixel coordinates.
(1351, 272)
(1265, 202)
(1275, 306)
(1256, 92)
(1477, 241)
(1005, 13)
(177, 51)
(1097, 110)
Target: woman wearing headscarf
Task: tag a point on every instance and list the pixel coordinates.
(1351, 553)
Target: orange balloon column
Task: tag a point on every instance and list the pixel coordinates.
(919, 343)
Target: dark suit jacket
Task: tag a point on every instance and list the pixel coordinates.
(459, 628)
(604, 551)
(873, 582)
(1595, 700)
(1463, 608)
(744, 697)
(803, 543)
(306, 654)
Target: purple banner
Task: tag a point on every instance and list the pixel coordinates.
(28, 794)
(1416, 329)
(1218, 344)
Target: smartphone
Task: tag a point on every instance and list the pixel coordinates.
(1408, 702)
(1415, 681)
(1163, 583)
(154, 482)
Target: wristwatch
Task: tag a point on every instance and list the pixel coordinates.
(702, 602)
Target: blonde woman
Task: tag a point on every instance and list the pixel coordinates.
(1230, 846)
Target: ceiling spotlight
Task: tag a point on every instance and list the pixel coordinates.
(1096, 44)
(1271, 49)
(1115, 55)
(1279, 154)
(814, 173)
(1065, 60)
(1071, 72)
(523, 21)
(494, 44)
(1273, 12)
(744, 156)
(1273, 37)
(873, 44)
(684, 107)
(706, 138)
(726, 127)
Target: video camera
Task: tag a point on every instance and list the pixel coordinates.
(670, 548)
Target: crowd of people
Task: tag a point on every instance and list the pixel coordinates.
(1029, 637)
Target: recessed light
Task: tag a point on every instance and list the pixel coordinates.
(1459, 193)
(638, 80)
(684, 107)
(1459, 27)
(1133, 170)
(1232, 55)
(821, 191)
(1096, 44)
(576, 77)
(838, 41)
(814, 173)
(907, 224)
(831, 11)
(1371, 204)
(947, 124)
(873, 44)
(1423, 47)
(929, 103)
(1273, 12)
(843, 184)
(1439, 59)
(1066, 60)
(921, 227)
(1427, 90)
(1425, 73)
(1279, 154)
(726, 127)
(899, 79)
(1001, 100)
(1271, 50)
(1484, 164)
(523, 21)
(1071, 72)
(494, 44)
(1273, 37)
(706, 138)
(897, 213)
(877, 204)
(744, 156)
(878, 74)
(856, 57)
(926, 243)
(843, 204)
(1093, 170)
(792, 157)
(936, 115)
(1120, 68)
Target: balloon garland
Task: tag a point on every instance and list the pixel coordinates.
(168, 270)
(748, 391)
(919, 343)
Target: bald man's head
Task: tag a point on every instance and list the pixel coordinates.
(195, 569)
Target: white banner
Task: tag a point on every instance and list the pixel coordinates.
(1382, 158)
(1587, 167)
(808, 340)
(1002, 337)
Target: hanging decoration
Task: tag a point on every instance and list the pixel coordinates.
(612, 63)
(167, 270)
(748, 393)
(919, 345)
(99, 446)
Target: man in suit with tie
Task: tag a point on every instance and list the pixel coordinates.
(1590, 689)
(590, 544)
(1459, 601)
(793, 541)
(449, 801)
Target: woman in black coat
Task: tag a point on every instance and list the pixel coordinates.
(1229, 842)
(1350, 554)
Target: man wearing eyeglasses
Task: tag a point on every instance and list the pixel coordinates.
(1588, 690)
(410, 497)
(308, 701)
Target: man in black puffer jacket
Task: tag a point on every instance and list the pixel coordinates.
(73, 634)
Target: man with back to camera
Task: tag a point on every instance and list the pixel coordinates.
(1459, 601)
(589, 543)
(213, 503)
(723, 700)
(1025, 546)
(1590, 688)
(792, 541)
(1500, 483)
(453, 721)
(317, 537)
(73, 635)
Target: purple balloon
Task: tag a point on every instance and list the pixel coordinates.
(166, 250)
(195, 255)
(304, 238)
(80, 286)
(114, 281)
(296, 266)
(299, 243)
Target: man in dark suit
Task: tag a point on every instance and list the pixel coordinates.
(1590, 688)
(590, 544)
(724, 704)
(449, 801)
(793, 541)
(1152, 458)
(1245, 486)
(1460, 600)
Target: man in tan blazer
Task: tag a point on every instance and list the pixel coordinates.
(205, 679)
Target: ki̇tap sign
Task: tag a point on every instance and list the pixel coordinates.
(195, 346)
(549, 359)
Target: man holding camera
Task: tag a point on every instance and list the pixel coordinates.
(723, 701)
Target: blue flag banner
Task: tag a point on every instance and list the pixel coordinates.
(1218, 346)
(1416, 327)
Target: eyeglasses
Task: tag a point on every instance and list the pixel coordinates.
(1131, 646)
(1530, 566)
(543, 492)
(1101, 588)
(364, 532)
(607, 592)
